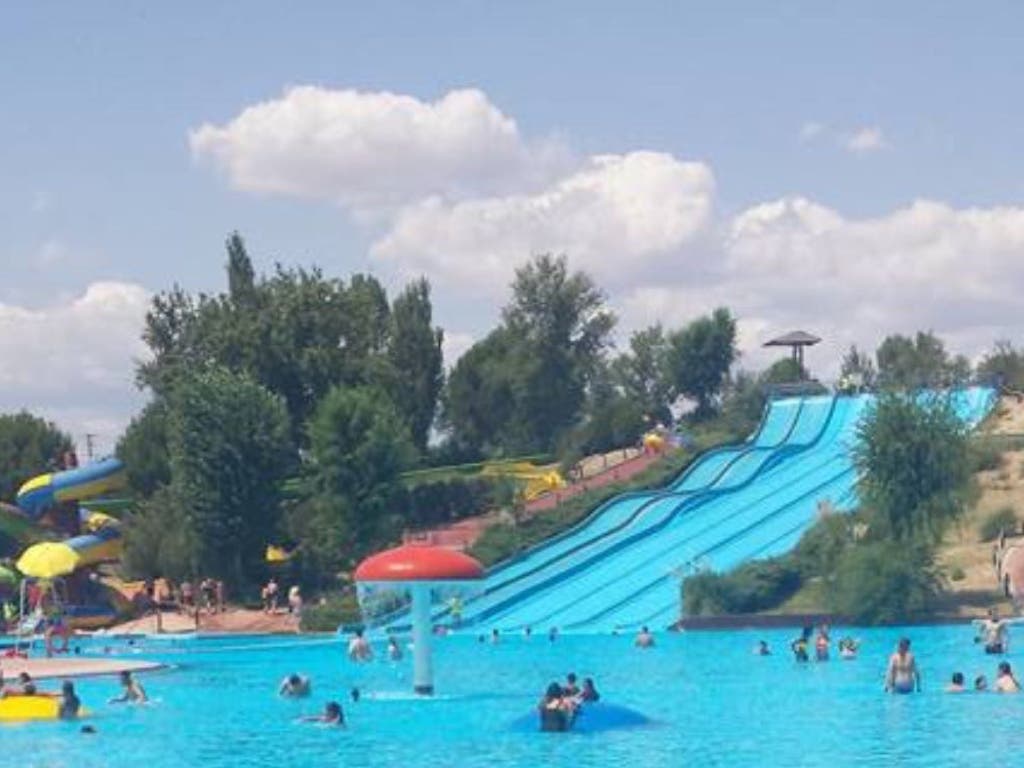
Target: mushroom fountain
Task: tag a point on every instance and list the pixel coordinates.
(421, 568)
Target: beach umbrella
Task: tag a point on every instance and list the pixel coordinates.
(47, 560)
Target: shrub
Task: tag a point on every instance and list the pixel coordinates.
(334, 611)
(1002, 519)
(985, 456)
(956, 573)
(884, 582)
(755, 586)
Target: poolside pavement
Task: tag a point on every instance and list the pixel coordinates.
(62, 667)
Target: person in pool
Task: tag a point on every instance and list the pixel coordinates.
(993, 632)
(295, 686)
(589, 693)
(821, 644)
(956, 685)
(359, 647)
(1005, 681)
(394, 650)
(799, 646)
(69, 702)
(571, 689)
(762, 649)
(902, 675)
(556, 711)
(333, 715)
(848, 648)
(980, 683)
(644, 638)
(495, 637)
(131, 690)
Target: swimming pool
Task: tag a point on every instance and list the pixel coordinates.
(715, 703)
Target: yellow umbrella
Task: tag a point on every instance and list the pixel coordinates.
(48, 560)
(277, 555)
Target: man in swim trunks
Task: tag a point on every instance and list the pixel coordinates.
(644, 638)
(993, 632)
(902, 675)
(571, 689)
(359, 648)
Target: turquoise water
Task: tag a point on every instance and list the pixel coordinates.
(714, 702)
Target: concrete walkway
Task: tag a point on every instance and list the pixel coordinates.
(43, 669)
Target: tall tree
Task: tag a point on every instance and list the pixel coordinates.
(857, 367)
(1004, 362)
(642, 373)
(241, 276)
(29, 446)
(359, 445)
(905, 362)
(699, 358)
(414, 352)
(143, 449)
(562, 328)
(229, 453)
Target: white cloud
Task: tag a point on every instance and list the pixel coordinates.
(74, 361)
(614, 217)
(811, 130)
(365, 150)
(865, 140)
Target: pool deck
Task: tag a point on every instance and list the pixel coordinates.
(43, 669)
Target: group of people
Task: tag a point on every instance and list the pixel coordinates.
(560, 704)
(270, 597)
(1005, 682)
(208, 595)
(297, 686)
(69, 705)
(800, 647)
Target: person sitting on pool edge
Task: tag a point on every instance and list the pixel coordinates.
(956, 685)
(131, 690)
(644, 638)
(556, 711)
(69, 702)
(902, 675)
(1005, 681)
(333, 715)
(295, 686)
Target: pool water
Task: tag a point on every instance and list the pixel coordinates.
(713, 701)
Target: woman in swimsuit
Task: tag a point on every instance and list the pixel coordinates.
(902, 675)
(556, 711)
(1005, 681)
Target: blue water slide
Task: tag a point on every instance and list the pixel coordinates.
(586, 589)
(777, 423)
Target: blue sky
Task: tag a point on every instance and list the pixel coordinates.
(842, 116)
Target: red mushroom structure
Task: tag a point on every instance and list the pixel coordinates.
(422, 568)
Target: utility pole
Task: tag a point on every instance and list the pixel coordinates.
(89, 437)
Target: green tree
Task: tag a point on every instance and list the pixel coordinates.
(241, 276)
(414, 352)
(785, 370)
(699, 358)
(359, 446)
(642, 373)
(857, 367)
(912, 457)
(884, 582)
(229, 453)
(1004, 362)
(743, 402)
(905, 362)
(143, 449)
(561, 327)
(29, 446)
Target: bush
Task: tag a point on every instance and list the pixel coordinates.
(433, 503)
(985, 456)
(336, 610)
(755, 586)
(1002, 519)
(884, 582)
(956, 573)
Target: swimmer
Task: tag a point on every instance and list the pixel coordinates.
(354, 693)
(295, 687)
(848, 648)
(993, 632)
(359, 648)
(589, 693)
(980, 684)
(495, 637)
(821, 644)
(902, 675)
(69, 702)
(762, 649)
(799, 646)
(644, 638)
(956, 685)
(556, 712)
(333, 715)
(131, 690)
(552, 634)
(527, 631)
(570, 688)
(1005, 681)
(394, 650)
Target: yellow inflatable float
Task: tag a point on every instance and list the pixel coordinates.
(21, 707)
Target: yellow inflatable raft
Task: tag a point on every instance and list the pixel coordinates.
(23, 707)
